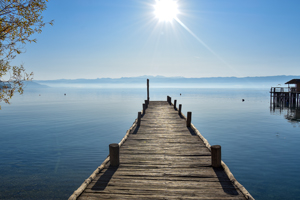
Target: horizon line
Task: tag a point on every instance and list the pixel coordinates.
(160, 76)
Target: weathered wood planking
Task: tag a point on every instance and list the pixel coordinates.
(162, 159)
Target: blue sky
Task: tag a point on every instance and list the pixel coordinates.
(123, 38)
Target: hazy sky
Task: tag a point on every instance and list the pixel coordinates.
(123, 38)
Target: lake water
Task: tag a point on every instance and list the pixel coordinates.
(50, 143)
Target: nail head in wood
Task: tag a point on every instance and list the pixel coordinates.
(189, 119)
(114, 150)
(216, 156)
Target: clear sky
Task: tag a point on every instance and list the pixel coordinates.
(123, 38)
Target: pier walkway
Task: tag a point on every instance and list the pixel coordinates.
(162, 159)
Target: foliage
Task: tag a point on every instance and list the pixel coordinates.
(19, 20)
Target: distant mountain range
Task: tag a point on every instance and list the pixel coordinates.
(172, 82)
(34, 84)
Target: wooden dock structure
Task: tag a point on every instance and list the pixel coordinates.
(286, 96)
(162, 156)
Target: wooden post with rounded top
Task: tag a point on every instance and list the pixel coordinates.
(146, 102)
(139, 118)
(175, 101)
(189, 119)
(179, 111)
(148, 97)
(216, 155)
(170, 100)
(114, 157)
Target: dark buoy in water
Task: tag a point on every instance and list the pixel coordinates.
(180, 94)
(243, 100)
(65, 94)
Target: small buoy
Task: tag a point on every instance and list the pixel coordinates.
(39, 94)
(65, 94)
(243, 99)
(180, 94)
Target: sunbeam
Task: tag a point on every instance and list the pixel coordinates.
(167, 10)
(199, 40)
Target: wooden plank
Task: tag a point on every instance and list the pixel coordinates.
(175, 184)
(162, 159)
(93, 196)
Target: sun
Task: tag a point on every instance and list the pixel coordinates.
(166, 10)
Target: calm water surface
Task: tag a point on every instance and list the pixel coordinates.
(50, 143)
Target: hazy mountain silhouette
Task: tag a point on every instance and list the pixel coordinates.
(161, 81)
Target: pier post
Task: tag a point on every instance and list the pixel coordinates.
(271, 96)
(274, 96)
(114, 154)
(139, 118)
(146, 102)
(175, 101)
(169, 99)
(179, 111)
(216, 156)
(189, 119)
(148, 97)
(144, 108)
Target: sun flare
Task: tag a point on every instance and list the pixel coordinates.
(166, 10)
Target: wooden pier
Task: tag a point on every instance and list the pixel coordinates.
(286, 96)
(162, 156)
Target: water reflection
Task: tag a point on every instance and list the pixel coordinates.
(292, 114)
